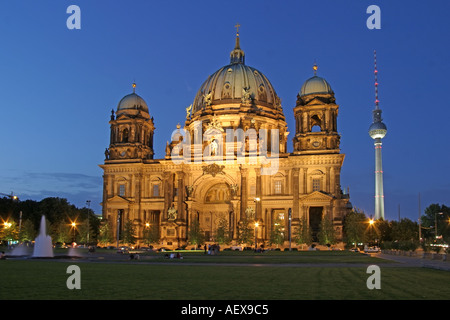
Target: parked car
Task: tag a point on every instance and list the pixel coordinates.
(371, 250)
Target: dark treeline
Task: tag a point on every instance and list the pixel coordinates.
(58, 212)
(434, 229)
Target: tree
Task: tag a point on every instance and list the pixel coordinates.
(196, 234)
(354, 228)
(222, 232)
(434, 217)
(327, 233)
(276, 234)
(83, 229)
(384, 230)
(302, 233)
(27, 231)
(9, 231)
(151, 234)
(129, 233)
(61, 232)
(56, 210)
(106, 233)
(246, 233)
(404, 230)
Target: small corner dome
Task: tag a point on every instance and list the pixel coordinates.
(132, 101)
(316, 85)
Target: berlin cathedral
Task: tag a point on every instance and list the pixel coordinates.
(228, 163)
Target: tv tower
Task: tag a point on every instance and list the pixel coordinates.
(377, 131)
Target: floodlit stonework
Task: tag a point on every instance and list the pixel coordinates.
(228, 161)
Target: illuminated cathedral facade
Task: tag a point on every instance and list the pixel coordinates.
(229, 163)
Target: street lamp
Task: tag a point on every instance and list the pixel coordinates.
(290, 226)
(11, 196)
(74, 225)
(256, 226)
(435, 223)
(118, 227)
(8, 225)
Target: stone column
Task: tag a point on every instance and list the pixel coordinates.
(189, 216)
(167, 193)
(138, 196)
(328, 177)
(244, 190)
(105, 195)
(258, 205)
(180, 204)
(305, 180)
(295, 193)
(234, 220)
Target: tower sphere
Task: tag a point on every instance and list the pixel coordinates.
(377, 130)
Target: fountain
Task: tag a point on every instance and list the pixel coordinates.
(43, 243)
(20, 251)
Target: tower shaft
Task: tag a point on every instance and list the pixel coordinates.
(379, 195)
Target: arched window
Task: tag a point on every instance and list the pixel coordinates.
(219, 193)
(316, 123)
(125, 135)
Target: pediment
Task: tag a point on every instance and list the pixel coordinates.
(317, 196)
(118, 199)
(316, 101)
(122, 116)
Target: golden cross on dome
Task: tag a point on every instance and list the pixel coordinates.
(315, 68)
(237, 28)
(134, 87)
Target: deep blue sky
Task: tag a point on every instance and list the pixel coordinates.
(58, 86)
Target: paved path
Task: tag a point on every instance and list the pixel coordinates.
(402, 261)
(416, 261)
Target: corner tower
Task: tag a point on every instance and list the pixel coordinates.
(377, 131)
(132, 130)
(316, 118)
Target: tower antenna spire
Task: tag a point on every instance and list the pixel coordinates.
(376, 78)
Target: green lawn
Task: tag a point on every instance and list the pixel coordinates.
(35, 279)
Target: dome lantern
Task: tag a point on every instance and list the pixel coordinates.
(237, 55)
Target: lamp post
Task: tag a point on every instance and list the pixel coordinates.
(257, 201)
(74, 225)
(256, 229)
(435, 224)
(290, 226)
(20, 222)
(118, 227)
(8, 225)
(371, 223)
